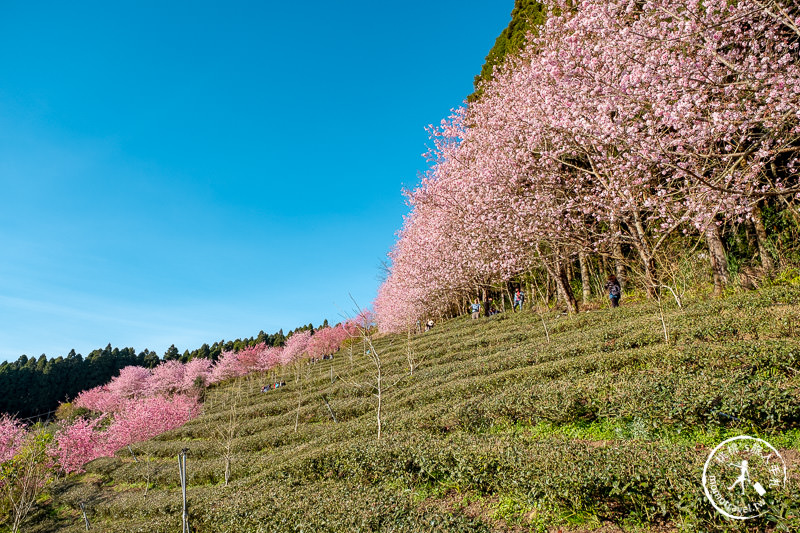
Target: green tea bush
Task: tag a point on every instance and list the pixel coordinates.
(606, 420)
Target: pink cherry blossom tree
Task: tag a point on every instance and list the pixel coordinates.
(12, 434)
(167, 378)
(227, 367)
(79, 442)
(249, 358)
(99, 399)
(196, 372)
(622, 123)
(131, 382)
(269, 358)
(293, 351)
(326, 341)
(145, 418)
(296, 346)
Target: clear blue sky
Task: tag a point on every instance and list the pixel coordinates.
(183, 172)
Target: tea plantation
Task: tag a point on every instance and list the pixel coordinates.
(605, 426)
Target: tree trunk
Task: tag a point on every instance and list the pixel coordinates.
(646, 255)
(379, 403)
(569, 269)
(566, 290)
(559, 274)
(409, 354)
(604, 266)
(761, 238)
(585, 282)
(299, 403)
(719, 262)
(529, 291)
(619, 259)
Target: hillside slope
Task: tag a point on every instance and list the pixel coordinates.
(604, 425)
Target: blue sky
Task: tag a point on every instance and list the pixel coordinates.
(184, 172)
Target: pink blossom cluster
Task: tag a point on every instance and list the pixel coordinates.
(136, 405)
(12, 435)
(143, 419)
(295, 347)
(258, 358)
(620, 122)
(78, 443)
(326, 341)
(136, 420)
(134, 382)
(140, 403)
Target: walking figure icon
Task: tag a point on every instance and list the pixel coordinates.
(744, 475)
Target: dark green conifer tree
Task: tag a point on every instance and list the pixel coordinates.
(525, 17)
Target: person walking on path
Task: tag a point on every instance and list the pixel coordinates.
(614, 290)
(519, 299)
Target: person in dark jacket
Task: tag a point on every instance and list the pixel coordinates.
(614, 290)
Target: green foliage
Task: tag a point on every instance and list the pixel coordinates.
(526, 15)
(24, 477)
(67, 412)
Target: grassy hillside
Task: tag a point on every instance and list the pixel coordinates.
(605, 425)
